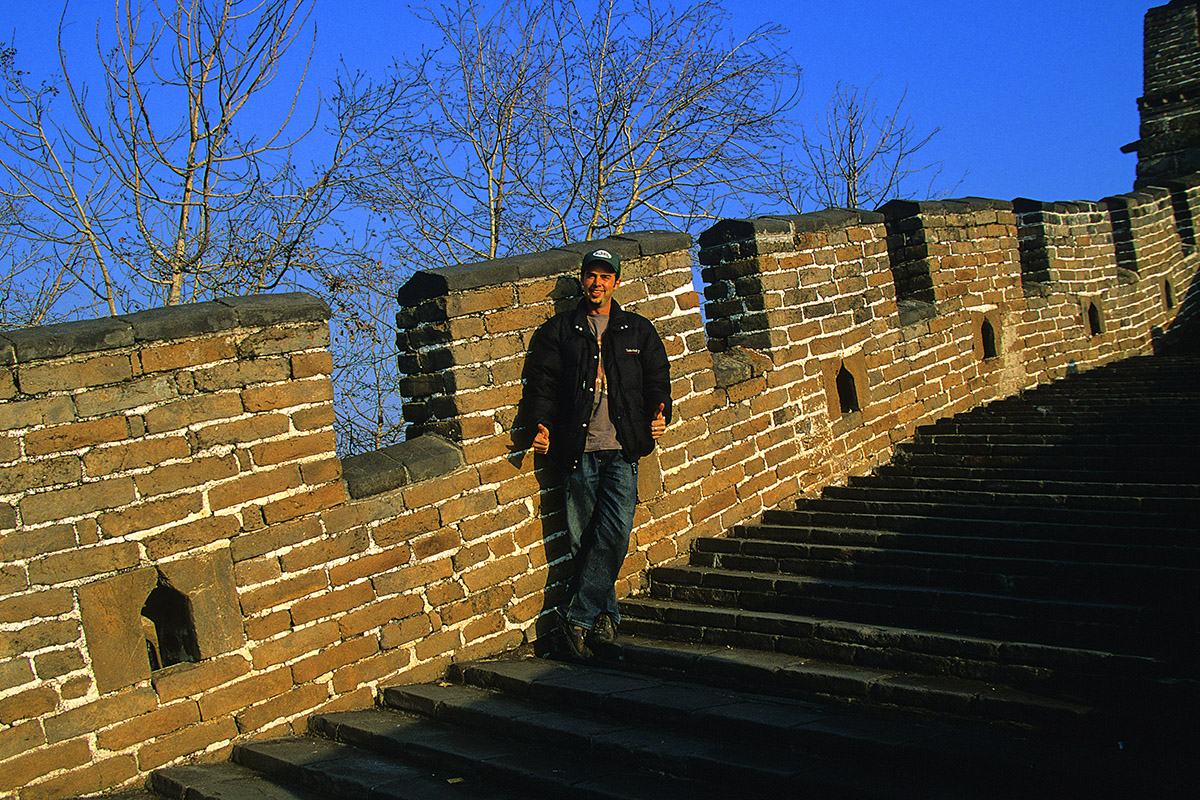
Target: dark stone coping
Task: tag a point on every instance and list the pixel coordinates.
(1024, 205)
(1184, 183)
(427, 284)
(913, 311)
(426, 456)
(899, 209)
(740, 230)
(23, 345)
(1147, 195)
(739, 364)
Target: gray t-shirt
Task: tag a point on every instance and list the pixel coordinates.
(601, 433)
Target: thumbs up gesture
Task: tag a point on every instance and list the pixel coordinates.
(541, 442)
(658, 425)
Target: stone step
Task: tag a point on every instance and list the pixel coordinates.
(963, 480)
(798, 737)
(549, 750)
(1105, 545)
(970, 528)
(866, 512)
(999, 574)
(1135, 629)
(934, 466)
(1000, 499)
(1036, 668)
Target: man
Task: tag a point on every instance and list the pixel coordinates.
(600, 390)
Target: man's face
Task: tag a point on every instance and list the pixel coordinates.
(599, 282)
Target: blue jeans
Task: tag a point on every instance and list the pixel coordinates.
(601, 496)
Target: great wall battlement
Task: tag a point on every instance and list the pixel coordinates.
(170, 476)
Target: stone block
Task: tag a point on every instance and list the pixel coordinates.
(417, 459)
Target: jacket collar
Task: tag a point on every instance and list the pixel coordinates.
(581, 314)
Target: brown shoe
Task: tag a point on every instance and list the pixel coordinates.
(604, 631)
(574, 640)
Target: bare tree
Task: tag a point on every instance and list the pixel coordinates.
(32, 282)
(859, 157)
(546, 123)
(160, 189)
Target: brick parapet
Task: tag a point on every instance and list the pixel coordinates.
(193, 447)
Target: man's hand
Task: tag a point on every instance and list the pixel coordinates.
(658, 425)
(541, 442)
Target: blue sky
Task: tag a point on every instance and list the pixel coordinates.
(1034, 99)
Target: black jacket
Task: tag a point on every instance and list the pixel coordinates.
(561, 372)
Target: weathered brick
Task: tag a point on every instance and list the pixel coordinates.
(150, 514)
(193, 410)
(437, 644)
(369, 566)
(322, 551)
(195, 472)
(19, 545)
(260, 542)
(82, 563)
(438, 489)
(279, 339)
(101, 461)
(236, 374)
(76, 435)
(100, 713)
(495, 572)
(295, 644)
(469, 505)
(107, 400)
(27, 768)
(191, 535)
(289, 589)
(412, 576)
(238, 431)
(15, 672)
(309, 502)
(439, 542)
(339, 655)
(307, 365)
(333, 603)
(55, 376)
(99, 775)
(10, 448)
(252, 487)
(21, 738)
(261, 628)
(406, 631)
(371, 669)
(481, 628)
(189, 741)
(57, 663)
(244, 692)
(320, 416)
(293, 448)
(32, 475)
(379, 614)
(48, 603)
(406, 526)
(75, 501)
(29, 704)
(287, 705)
(278, 396)
(180, 355)
(325, 470)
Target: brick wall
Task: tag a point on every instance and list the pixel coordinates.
(1169, 146)
(184, 457)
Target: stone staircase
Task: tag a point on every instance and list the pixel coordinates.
(1011, 608)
